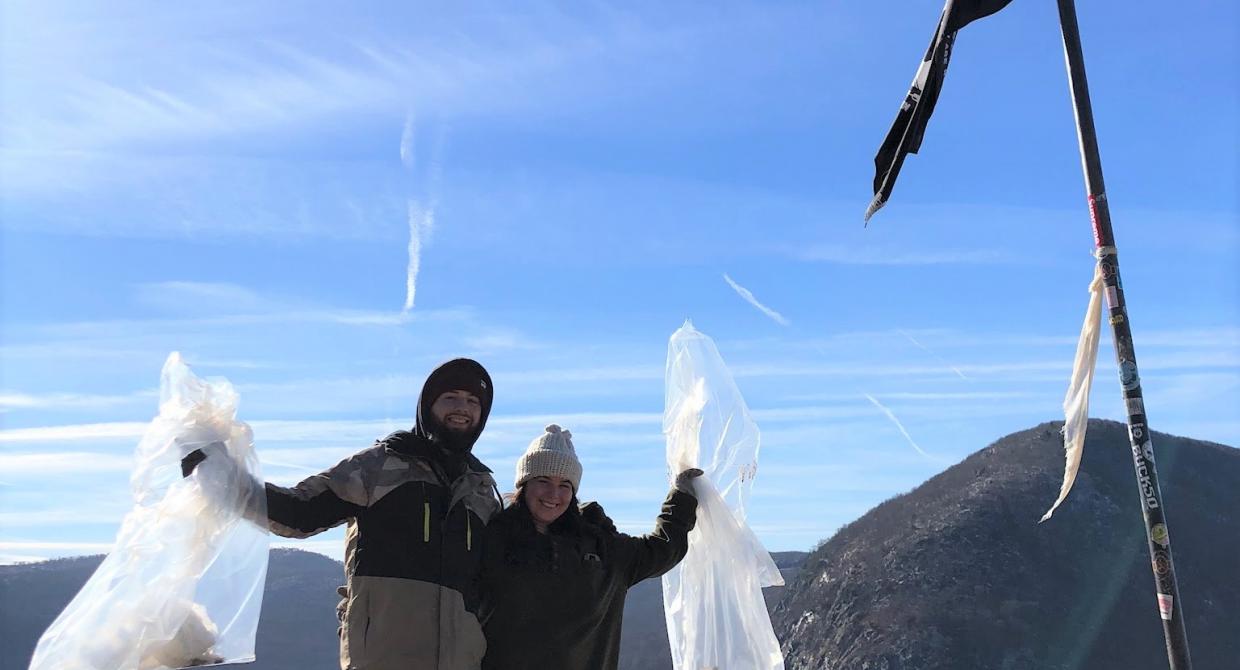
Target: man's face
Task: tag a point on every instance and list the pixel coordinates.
(457, 411)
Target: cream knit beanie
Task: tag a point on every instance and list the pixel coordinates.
(550, 455)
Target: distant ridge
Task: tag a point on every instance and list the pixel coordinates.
(957, 574)
(297, 630)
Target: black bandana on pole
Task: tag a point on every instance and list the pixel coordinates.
(1169, 602)
(906, 133)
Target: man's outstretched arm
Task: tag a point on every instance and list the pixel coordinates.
(311, 507)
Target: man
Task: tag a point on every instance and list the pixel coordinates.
(417, 504)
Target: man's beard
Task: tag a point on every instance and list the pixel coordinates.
(455, 441)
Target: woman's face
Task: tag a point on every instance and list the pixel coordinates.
(547, 498)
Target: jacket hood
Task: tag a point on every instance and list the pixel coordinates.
(458, 374)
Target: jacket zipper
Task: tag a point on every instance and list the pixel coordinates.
(469, 532)
(426, 516)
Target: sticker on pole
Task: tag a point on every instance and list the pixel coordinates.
(1164, 606)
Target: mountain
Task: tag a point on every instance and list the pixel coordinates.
(297, 630)
(959, 574)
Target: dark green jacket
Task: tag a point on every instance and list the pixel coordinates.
(555, 601)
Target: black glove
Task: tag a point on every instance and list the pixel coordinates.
(684, 481)
(191, 461)
(593, 514)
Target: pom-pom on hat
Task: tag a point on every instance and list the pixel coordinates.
(550, 455)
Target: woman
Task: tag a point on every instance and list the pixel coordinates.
(553, 583)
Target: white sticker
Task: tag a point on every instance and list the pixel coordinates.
(1164, 606)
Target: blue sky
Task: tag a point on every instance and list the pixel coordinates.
(253, 186)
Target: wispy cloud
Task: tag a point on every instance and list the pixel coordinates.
(891, 370)
(1015, 370)
(285, 81)
(34, 546)
(201, 297)
(64, 462)
(581, 374)
(86, 431)
(68, 516)
(891, 415)
(14, 552)
(221, 98)
(929, 396)
(10, 400)
(501, 339)
(1221, 337)
(869, 256)
(287, 315)
(407, 139)
(928, 351)
(749, 298)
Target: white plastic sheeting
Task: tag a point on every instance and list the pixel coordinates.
(716, 616)
(1076, 401)
(183, 584)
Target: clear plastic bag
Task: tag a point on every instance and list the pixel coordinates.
(716, 616)
(183, 584)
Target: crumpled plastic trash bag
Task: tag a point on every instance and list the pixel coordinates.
(716, 616)
(183, 585)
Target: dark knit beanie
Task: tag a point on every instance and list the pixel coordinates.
(458, 374)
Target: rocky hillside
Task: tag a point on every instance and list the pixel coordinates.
(957, 574)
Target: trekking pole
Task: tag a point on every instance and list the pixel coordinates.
(1157, 537)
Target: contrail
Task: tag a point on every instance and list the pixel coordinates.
(421, 217)
(928, 351)
(899, 425)
(421, 223)
(748, 296)
(407, 142)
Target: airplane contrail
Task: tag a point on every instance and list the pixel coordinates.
(407, 142)
(421, 223)
(891, 415)
(749, 297)
(421, 217)
(926, 349)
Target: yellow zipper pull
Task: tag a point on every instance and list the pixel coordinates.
(426, 522)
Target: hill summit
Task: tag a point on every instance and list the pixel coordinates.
(958, 573)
